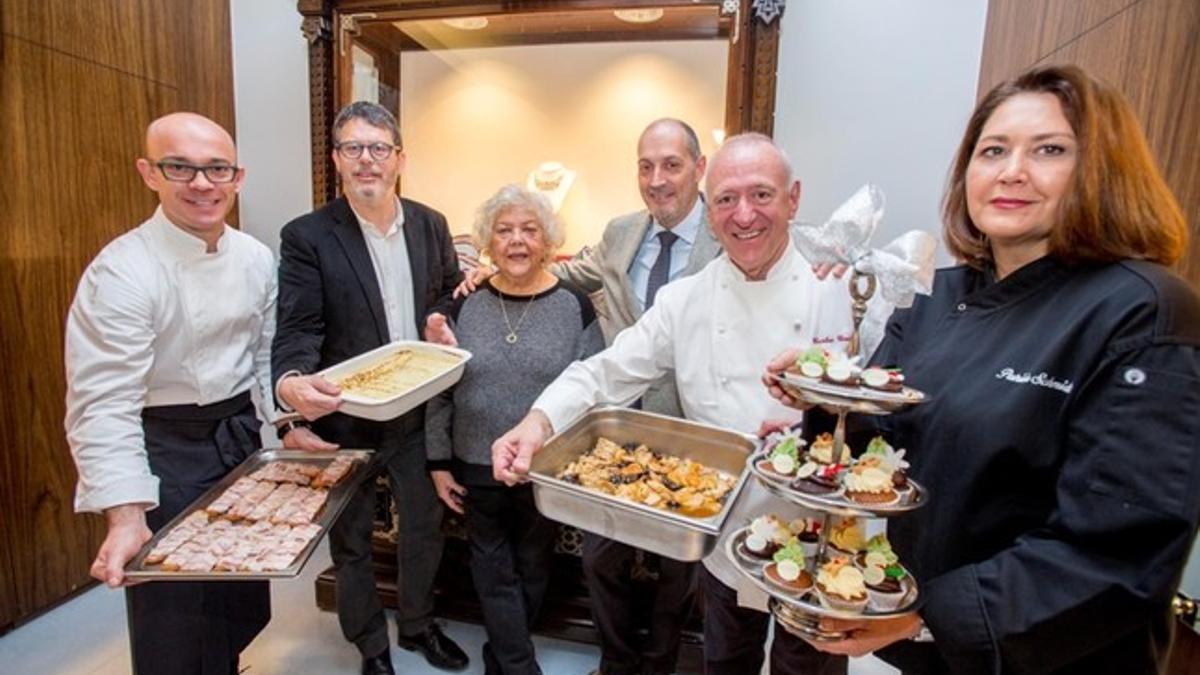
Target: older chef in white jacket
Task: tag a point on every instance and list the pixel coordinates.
(715, 331)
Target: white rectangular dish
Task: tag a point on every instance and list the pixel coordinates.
(433, 379)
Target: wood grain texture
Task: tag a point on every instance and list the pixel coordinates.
(79, 82)
(1148, 49)
(1185, 651)
(317, 27)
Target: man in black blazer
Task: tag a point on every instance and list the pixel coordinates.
(358, 273)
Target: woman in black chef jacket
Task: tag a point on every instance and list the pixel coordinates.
(1060, 443)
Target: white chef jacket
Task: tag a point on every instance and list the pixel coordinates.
(716, 331)
(157, 320)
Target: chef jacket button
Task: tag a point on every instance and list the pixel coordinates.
(962, 307)
(1135, 376)
(796, 325)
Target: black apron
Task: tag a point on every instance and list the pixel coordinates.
(181, 627)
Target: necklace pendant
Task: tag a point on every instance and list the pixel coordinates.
(511, 338)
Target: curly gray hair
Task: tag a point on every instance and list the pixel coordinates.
(516, 197)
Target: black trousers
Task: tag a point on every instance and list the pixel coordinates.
(511, 547)
(734, 637)
(418, 547)
(180, 627)
(606, 568)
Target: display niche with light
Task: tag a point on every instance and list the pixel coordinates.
(338, 30)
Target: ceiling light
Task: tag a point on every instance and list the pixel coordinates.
(468, 23)
(639, 15)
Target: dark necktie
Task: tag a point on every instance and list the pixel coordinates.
(661, 272)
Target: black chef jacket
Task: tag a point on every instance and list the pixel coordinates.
(1059, 449)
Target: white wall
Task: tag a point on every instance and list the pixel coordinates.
(475, 119)
(270, 72)
(877, 91)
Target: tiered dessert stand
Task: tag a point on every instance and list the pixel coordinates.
(802, 614)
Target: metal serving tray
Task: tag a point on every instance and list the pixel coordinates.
(391, 408)
(806, 603)
(339, 495)
(663, 532)
(836, 502)
(860, 399)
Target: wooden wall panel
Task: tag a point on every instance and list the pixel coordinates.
(79, 82)
(1149, 49)
(99, 31)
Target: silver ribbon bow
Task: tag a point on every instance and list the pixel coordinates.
(902, 268)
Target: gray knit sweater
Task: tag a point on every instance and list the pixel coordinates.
(502, 380)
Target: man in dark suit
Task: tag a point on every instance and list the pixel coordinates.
(358, 273)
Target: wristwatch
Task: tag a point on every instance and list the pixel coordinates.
(923, 635)
(284, 428)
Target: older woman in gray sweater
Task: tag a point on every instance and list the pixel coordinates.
(523, 326)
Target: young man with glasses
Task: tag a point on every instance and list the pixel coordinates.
(360, 272)
(170, 329)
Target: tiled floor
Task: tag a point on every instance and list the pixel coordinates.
(87, 636)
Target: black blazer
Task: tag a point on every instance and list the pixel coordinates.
(330, 308)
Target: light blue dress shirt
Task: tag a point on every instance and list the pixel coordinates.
(681, 251)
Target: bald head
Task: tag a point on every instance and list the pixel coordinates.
(751, 146)
(671, 127)
(188, 126)
(191, 163)
(752, 197)
(670, 167)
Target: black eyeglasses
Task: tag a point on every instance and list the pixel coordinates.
(179, 172)
(354, 150)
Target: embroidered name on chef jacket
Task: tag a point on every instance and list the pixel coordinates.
(1039, 379)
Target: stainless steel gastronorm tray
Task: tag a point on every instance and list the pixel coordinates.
(338, 496)
(663, 532)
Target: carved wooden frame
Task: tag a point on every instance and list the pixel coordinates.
(750, 87)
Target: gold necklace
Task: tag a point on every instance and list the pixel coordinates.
(512, 336)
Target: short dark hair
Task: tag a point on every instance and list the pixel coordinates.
(371, 113)
(1118, 206)
(689, 134)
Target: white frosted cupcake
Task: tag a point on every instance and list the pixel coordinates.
(841, 586)
(766, 535)
(821, 451)
(870, 484)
